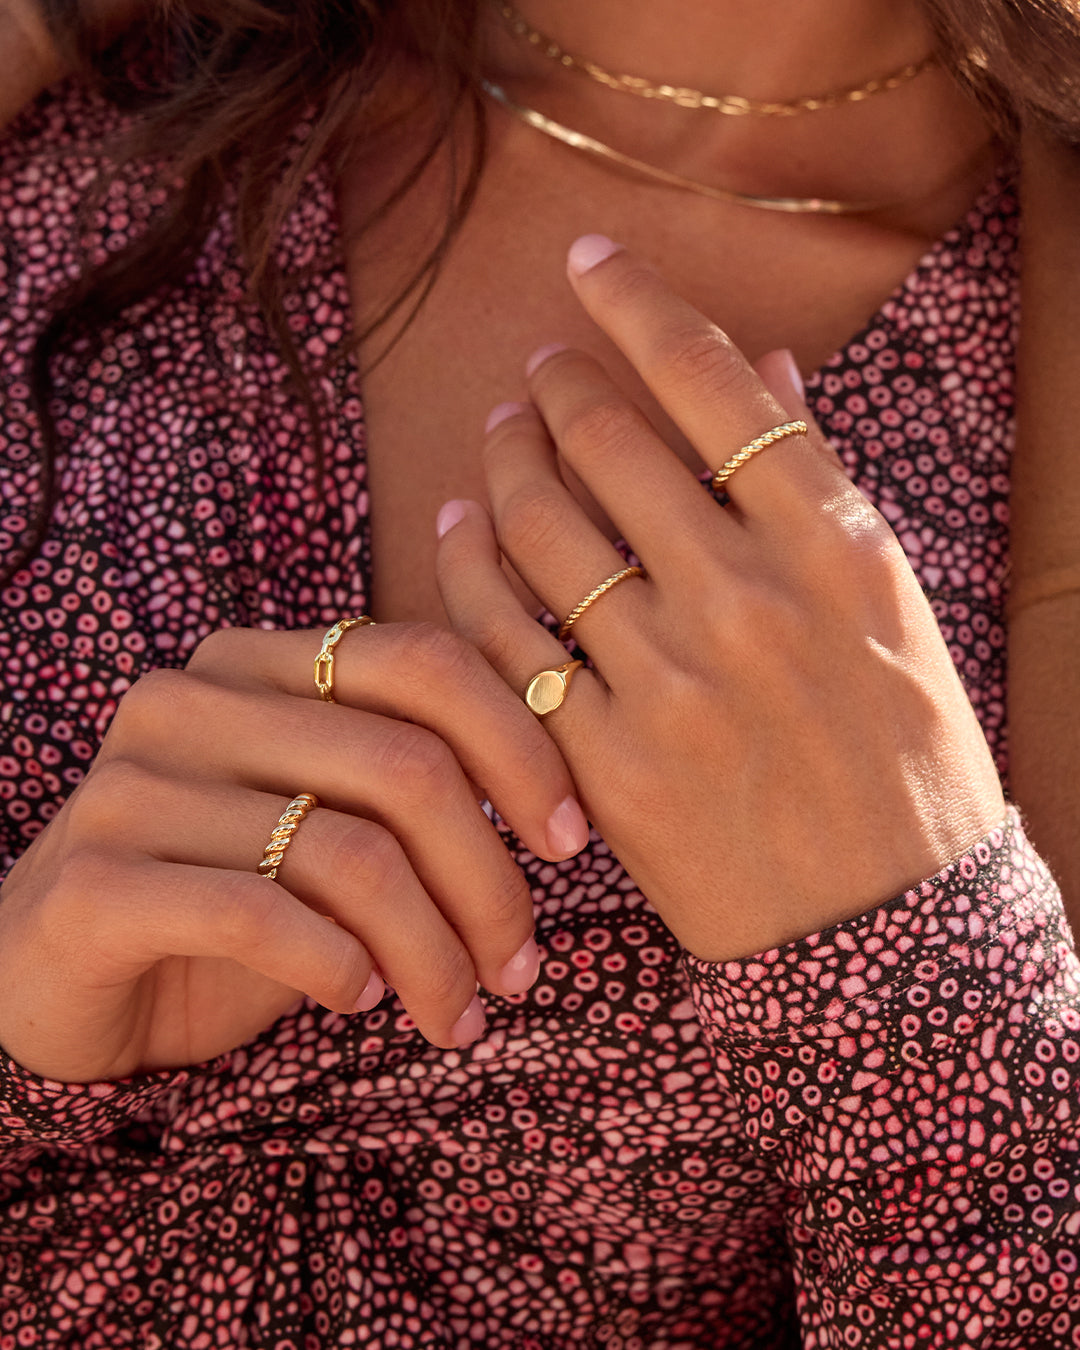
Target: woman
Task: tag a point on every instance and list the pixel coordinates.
(673, 1118)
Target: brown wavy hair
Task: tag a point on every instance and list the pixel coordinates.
(231, 81)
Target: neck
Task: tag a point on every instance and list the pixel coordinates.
(906, 145)
(766, 49)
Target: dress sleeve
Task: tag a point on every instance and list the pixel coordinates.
(913, 1075)
(37, 1114)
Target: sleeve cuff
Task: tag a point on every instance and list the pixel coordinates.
(928, 975)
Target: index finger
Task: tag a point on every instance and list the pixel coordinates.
(700, 378)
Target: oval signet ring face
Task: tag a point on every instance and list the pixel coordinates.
(547, 690)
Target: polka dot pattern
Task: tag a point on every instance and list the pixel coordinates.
(866, 1139)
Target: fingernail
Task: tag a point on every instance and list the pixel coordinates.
(541, 355)
(781, 377)
(567, 829)
(449, 515)
(470, 1025)
(520, 971)
(588, 251)
(501, 412)
(372, 995)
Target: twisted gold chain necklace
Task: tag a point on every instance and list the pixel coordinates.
(730, 105)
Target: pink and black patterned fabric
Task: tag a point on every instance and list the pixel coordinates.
(870, 1138)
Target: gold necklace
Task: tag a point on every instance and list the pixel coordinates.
(731, 105)
(577, 140)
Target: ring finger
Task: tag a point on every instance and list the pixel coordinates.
(348, 869)
(397, 777)
(553, 545)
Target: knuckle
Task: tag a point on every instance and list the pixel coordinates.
(630, 288)
(345, 980)
(507, 901)
(245, 916)
(705, 357)
(375, 856)
(857, 538)
(450, 971)
(114, 787)
(362, 849)
(531, 520)
(217, 651)
(603, 429)
(433, 654)
(496, 641)
(156, 695)
(416, 764)
(158, 708)
(85, 879)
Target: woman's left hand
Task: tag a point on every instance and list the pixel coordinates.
(774, 737)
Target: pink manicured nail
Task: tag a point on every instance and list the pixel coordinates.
(449, 515)
(520, 971)
(541, 355)
(470, 1025)
(588, 251)
(372, 995)
(567, 829)
(501, 412)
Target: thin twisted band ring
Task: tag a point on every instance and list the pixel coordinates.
(283, 831)
(594, 595)
(324, 662)
(798, 428)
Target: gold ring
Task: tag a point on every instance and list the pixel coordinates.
(547, 690)
(324, 662)
(595, 595)
(281, 836)
(736, 461)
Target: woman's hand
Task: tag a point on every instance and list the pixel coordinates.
(136, 932)
(774, 737)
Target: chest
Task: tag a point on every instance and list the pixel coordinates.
(803, 282)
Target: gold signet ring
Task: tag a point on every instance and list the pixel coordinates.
(547, 690)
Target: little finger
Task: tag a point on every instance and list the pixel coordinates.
(436, 874)
(334, 867)
(483, 607)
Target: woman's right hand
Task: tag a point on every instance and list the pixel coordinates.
(136, 932)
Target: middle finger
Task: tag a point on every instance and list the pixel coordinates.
(638, 480)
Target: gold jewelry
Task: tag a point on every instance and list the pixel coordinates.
(324, 662)
(547, 690)
(588, 145)
(281, 837)
(737, 460)
(730, 105)
(595, 595)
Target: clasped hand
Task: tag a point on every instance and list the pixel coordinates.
(773, 736)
